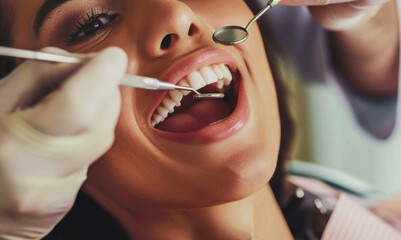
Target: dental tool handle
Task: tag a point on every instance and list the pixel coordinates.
(150, 83)
(40, 56)
(269, 5)
(142, 82)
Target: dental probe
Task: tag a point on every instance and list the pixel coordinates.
(155, 84)
(231, 35)
(128, 80)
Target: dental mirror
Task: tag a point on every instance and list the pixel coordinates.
(231, 35)
(201, 96)
(209, 96)
(198, 95)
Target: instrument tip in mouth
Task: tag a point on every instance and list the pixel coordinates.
(209, 96)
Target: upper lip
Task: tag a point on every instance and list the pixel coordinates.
(190, 63)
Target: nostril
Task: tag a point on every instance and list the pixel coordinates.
(192, 30)
(171, 38)
(166, 42)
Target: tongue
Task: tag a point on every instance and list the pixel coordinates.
(197, 116)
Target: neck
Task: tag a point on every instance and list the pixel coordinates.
(255, 217)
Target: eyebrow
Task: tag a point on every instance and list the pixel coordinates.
(47, 7)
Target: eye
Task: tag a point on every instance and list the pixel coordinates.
(90, 25)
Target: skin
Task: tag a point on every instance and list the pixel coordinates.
(159, 188)
(156, 177)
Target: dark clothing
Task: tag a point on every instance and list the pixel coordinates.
(87, 220)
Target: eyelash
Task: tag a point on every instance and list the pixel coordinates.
(86, 21)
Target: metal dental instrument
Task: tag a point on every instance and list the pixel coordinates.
(155, 84)
(128, 80)
(209, 95)
(231, 35)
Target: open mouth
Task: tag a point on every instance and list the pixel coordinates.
(178, 112)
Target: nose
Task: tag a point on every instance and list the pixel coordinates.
(173, 26)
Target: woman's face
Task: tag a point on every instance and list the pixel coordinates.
(206, 152)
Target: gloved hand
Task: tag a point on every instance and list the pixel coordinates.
(47, 143)
(340, 15)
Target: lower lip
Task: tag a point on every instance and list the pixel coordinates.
(215, 132)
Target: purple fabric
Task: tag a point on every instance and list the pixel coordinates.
(306, 45)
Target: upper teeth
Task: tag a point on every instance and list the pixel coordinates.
(219, 74)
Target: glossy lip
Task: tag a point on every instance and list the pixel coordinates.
(214, 132)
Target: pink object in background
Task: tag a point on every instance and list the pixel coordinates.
(351, 221)
(390, 211)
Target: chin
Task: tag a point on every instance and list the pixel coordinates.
(245, 176)
(231, 179)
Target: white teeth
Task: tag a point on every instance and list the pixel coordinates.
(184, 83)
(219, 75)
(218, 72)
(163, 112)
(169, 104)
(220, 84)
(208, 75)
(227, 74)
(156, 118)
(196, 80)
(176, 96)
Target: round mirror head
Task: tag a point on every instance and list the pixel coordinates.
(230, 35)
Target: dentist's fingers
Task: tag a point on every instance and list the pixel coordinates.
(82, 98)
(48, 148)
(31, 81)
(340, 15)
(345, 16)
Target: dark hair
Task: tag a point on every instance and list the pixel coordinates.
(76, 224)
(6, 64)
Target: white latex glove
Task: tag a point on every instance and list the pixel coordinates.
(340, 15)
(45, 150)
